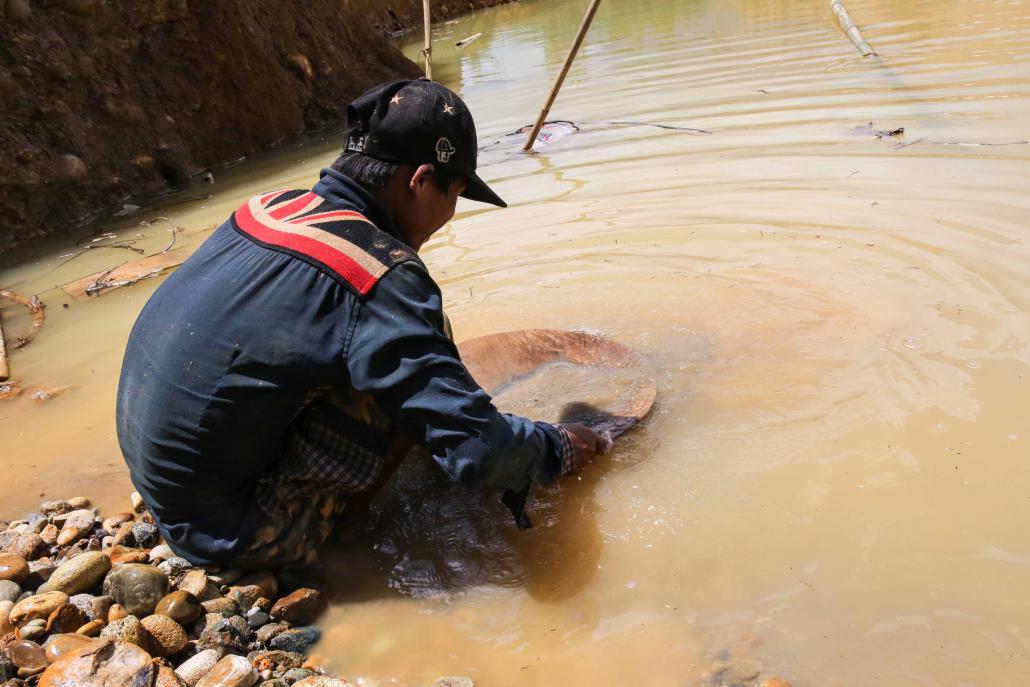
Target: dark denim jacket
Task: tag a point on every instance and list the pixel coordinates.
(230, 347)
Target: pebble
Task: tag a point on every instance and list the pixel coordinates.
(222, 606)
(297, 639)
(323, 681)
(49, 534)
(194, 582)
(125, 554)
(83, 573)
(301, 607)
(742, 671)
(231, 671)
(37, 522)
(9, 590)
(258, 619)
(161, 552)
(227, 576)
(193, 669)
(58, 645)
(245, 597)
(92, 628)
(776, 682)
(32, 632)
(297, 674)
(166, 636)
(146, 535)
(276, 660)
(137, 502)
(112, 523)
(129, 629)
(225, 636)
(35, 607)
(70, 168)
(26, 654)
(267, 632)
(77, 524)
(454, 681)
(29, 546)
(78, 502)
(137, 587)
(116, 612)
(166, 677)
(276, 682)
(19, 10)
(13, 568)
(103, 664)
(5, 617)
(52, 508)
(263, 579)
(65, 618)
(175, 567)
(180, 606)
(123, 535)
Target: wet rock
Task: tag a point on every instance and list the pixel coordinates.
(740, 672)
(6, 627)
(223, 606)
(297, 639)
(180, 606)
(224, 636)
(83, 573)
(323, 681)
(65, 618)
(58, 645)
(13, 568)
(92, 628)
(262, 604)
(57, 507)
(267, 632)
(29, 546)
(300, 607)
(9, 590)
(77, 502)
(39, 572)
(175, 567)
(36, 522)
(227, 576)
(276, 682)
(196, 667)
(454, 681)
(297, 674)
(100, 606)
(32, 632)
(26, 654)
(123, 535)
(146, 535)
(161, 552)
(103, 664)
(194, 582)
(124, 554)
(775, 682)
(258, 618)
(113, 522)
(166, 636)
(208, 620)
(166, 677)
(276, 660)
(245, 597)
(49, 534)
(137, 587)
(129, 629)
(76, 525)
(116, 612)
(265, 580)
(241, 625)
(230, 671)
(36, 607)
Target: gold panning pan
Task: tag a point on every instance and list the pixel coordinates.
(561, 376)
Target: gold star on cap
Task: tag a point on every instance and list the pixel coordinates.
(448, 109)
(396, 99)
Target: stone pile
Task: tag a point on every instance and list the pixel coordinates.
(93, 602)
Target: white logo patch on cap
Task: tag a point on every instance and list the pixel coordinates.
(444, 150)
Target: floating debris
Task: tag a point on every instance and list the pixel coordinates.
(9, 389)
(851, 29)
(35, 307)
(871, 130)
(45, 393)
(125, 275)
(465, 41)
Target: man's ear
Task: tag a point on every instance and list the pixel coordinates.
(421, 178)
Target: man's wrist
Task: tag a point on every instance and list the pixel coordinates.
(566, 451)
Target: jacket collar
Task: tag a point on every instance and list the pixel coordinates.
(339, 188)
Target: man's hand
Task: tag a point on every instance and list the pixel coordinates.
(586, 443)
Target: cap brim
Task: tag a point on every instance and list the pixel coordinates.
(476, 189)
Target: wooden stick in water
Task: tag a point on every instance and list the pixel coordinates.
(428, 50)
(587, 18)
(850, 29)
(5, 371)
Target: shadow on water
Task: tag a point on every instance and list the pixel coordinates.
(428, 537)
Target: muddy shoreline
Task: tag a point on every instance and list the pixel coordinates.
(107, 106)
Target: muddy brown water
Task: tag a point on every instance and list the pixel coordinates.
(835, 480)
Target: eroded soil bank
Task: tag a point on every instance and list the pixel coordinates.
(110, 103)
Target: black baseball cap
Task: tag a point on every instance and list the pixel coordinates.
(418, 122)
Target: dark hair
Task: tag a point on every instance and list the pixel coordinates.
(373, 174)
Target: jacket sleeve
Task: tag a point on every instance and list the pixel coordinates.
(399, 353)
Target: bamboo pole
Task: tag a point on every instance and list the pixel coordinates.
(428, 50)
(5, 371)
(851, 29)
(587, 18)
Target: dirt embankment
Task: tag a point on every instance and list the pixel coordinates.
(107, 102)
(392, 16)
